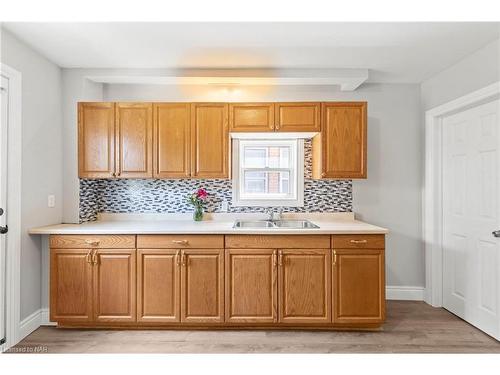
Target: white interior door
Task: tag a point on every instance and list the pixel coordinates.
(471, 213)
(3, 197)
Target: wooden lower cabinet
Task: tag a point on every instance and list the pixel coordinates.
(70, 285)
(304, 286)
(359, 286)
(89, 285)
(218, 281)
(251, 286)
(202, 285)
(114, 285)
(158, 285)
(177, 285)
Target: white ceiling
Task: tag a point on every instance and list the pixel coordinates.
(393, 52)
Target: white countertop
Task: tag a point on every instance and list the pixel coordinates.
(332, 223)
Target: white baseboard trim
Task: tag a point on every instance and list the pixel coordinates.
(405, 293)
(32, 322)
(29, 324)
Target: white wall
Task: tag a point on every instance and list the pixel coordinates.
(472, 73)
(389, 197)
(41, 157)
(75, 88)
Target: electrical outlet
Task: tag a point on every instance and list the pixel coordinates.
(51, 201)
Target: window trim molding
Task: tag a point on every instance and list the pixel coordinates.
(236, 180)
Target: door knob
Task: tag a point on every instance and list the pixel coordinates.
(1, 211)
(4, 229)
(496, 233)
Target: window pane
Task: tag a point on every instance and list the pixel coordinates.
(275, 183)
(254, 157)
(266, 156)
(255, 186)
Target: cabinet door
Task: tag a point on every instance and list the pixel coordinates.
(114, 285)
(70, 285)
(202, 286)
(298, 117)
(209, 140)
(304, 286)
(251, 286)
(96, 140)
(171, 140)
(251, 117)
(358, 286)
(344, 140)
(158, 285)
(134, 140)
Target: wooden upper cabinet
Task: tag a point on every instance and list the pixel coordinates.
(134, 140)
(358, 286)
(340, 150)
(251, 117)
(298, 117)
(191, 140)
(114, 285)
(70, 285)
(202, 285)
(209, 140)
(304, 286)
(171, 140)
(158, 285)
(251, 286)
(96, 140)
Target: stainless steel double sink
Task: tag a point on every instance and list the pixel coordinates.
(275, 224)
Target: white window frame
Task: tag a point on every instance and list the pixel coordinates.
(296, 179)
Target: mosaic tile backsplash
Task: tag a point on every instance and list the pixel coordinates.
(169, 196)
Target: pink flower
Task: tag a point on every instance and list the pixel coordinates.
(202, 194)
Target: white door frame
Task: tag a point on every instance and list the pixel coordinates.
(13, 259)
(433, 187)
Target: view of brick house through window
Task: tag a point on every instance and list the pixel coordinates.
(273, 182)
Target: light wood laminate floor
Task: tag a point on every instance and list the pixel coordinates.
(411, 327)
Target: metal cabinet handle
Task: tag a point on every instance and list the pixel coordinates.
(89, 256)
(323, 174)
(183, 259)
(113, 174)
(95, 258)
(358, 241)
(178, 258)
(180, 242)
(275, 260)
(496, 233)
(334, 257)
(280, 258)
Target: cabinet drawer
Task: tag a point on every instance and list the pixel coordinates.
(98, 241)
(358, 241)
(278, 241)
(180, 241)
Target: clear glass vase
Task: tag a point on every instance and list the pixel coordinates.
(198, 213)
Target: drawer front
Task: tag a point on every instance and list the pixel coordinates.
(98, 241)
(195, 241)
(278, 241)
(358, 241)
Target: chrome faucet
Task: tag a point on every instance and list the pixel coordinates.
(275, 216)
